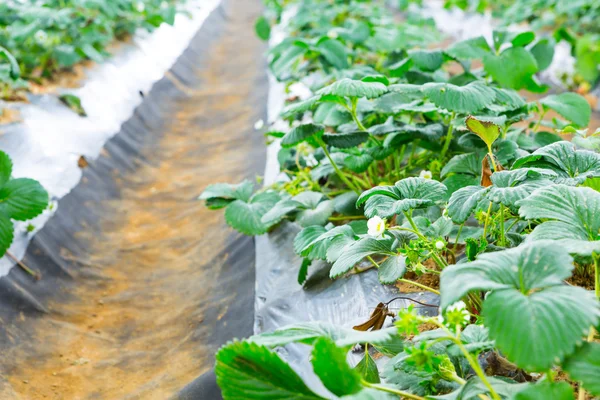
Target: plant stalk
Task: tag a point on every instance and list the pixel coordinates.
(400, 393)
(335, 167)
(25, 268)
(448, 136)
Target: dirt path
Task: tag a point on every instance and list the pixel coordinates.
(141, 328)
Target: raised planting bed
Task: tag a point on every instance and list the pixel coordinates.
(396, 183)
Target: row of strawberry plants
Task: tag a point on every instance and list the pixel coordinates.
(51, 36)
(573, 22)
(388, 161)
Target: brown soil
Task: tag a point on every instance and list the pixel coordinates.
(431, 280)
(9, 115)
(69, 79)
(128, 333)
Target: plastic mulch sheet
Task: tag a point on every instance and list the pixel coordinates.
(140, 283)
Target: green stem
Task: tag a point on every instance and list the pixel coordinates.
(393, 391)
(432, 290)
(354, 102)
(511, 225)
(539, 122)
(458, 235)
(472, 362)
(417, 284)
(502, 235)
(596, 275)
(442, 264)
(335, 167)
(413, 225)
(487, 219)
(347, 217)
(448, 136)
(491, 155)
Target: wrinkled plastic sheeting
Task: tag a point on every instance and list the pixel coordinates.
(346, 301)
(48, 142)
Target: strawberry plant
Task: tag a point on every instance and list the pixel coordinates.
(21, 199)
(390, 161)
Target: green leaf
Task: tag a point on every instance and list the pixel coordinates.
(334, 52)
(392, 269)
(475, 387)
(571, 215)
(303, 271)
(546, 390)
(318, 215)
(543, 51)
(427, 60)
(525, 329)
(359, 163)
(331, 114)
(462, 99)
(584, 366)
(6, 167)
(245, 217)
(573, 166)
(509, 187)
(527, 297)
(300, 106)
(329, 364)
(464, 201)
(475, 339)
(468, 163)
(367, 368)
(301, 133)
(487, 131)
(247, 370)
(241, 191)
(15, 71)
(22, 199)
(353, 88)
(305, 239)
(74, 103)
(406, 194)
(469, 49)
(6, 233)
(510, 99)
(522, 39)
(572, 106)
(345, 204)
(283, 64)
(345, 140)
(280, 211)
(262, 28)
(355, 252)
(459, 181)
(513, 68)
(91, 53)
(308, 332)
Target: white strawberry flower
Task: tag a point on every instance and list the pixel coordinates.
(440, 245)
(140, 6)
(459, 305)
(457, 314)
(426, 174)
(376, 227)
(41, 36)
(332, 34)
